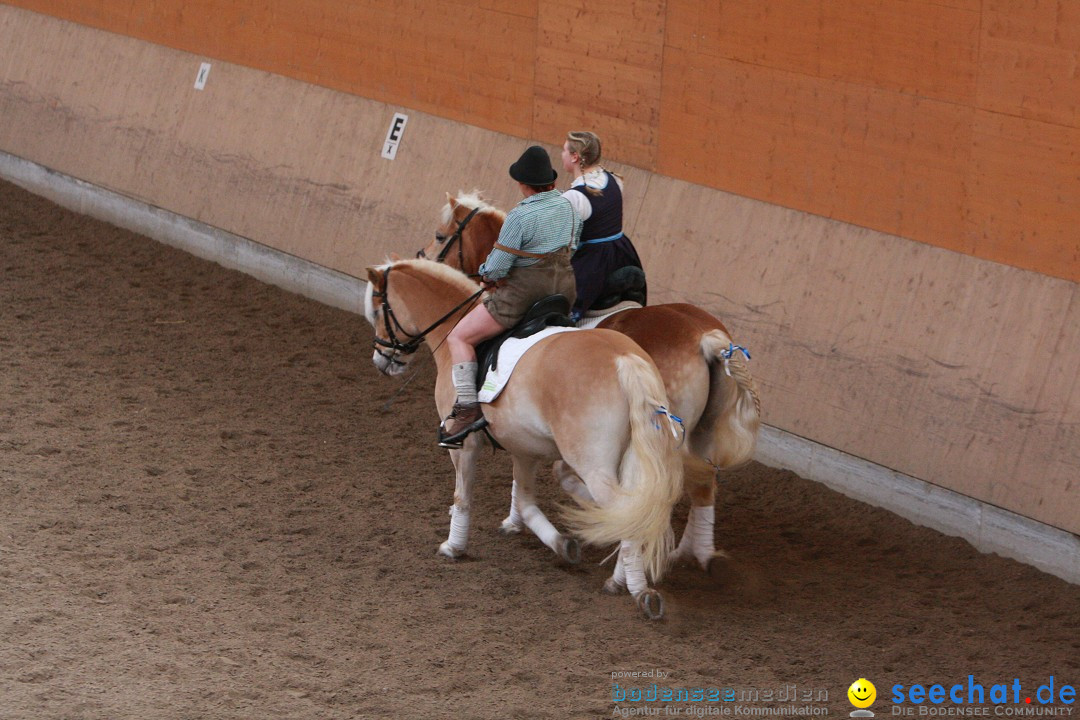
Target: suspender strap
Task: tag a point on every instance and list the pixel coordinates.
(519, 253)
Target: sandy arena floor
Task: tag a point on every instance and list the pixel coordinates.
(205, 512)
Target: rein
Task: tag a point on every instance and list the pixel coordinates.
(413, 343)
(448, 243)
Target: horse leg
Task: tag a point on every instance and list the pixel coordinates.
(726, 433)
(629, 576)
(603, 488)
(648, 600)
(571, 483)
(513, 523)
(616, 584)
(465, 475)
(568, 548)
(697, 538)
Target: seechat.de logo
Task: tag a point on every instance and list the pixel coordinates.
(1008, 698)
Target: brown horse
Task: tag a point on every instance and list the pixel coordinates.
(607, 425)
(707, 381)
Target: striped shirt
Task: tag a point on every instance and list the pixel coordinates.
(540, 223)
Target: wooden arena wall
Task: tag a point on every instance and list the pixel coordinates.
(879, 198)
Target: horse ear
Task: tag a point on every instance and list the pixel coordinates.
(373, 276)
(394, 257)
(452, 200)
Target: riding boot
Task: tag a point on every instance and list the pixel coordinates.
(466, 416)
(463, 420)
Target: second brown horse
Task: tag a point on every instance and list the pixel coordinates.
(706, 378)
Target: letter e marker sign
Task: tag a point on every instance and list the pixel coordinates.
(393, 137)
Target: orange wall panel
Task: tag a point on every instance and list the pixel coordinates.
(912, 47)
(429, 56)
(781, 34)
(908, 46)
(1025, 193)
(521, 8)
(1051, 23)
(598, 67)
(1030, 53)
(896, 115)
(848, 152)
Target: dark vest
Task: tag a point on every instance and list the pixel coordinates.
(606, 218)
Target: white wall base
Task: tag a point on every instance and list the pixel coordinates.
(232, 251)
(988, 528)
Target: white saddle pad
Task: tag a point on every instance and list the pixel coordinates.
(509, 354)
(595, 317)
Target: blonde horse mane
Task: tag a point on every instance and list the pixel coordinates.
(437, 271)
(473, 200)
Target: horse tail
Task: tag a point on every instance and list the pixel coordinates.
(650, 474)
(732, 415)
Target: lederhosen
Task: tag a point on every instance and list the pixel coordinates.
(604, 248)
(516, 293)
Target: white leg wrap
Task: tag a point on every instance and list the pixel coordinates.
(619, 575)
(630, 559)
(459, 529)
(514, 518)
(540, 526)
(700, 524)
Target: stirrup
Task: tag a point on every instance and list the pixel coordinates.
(457, 440)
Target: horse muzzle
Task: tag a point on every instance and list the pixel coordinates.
(389, 363)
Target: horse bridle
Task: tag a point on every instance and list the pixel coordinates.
(413, 343)
(447, 243)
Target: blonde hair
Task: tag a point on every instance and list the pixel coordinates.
(586, 145)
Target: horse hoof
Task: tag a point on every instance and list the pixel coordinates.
(450, 551)
(509, 527)
(651, 603)
(613, 588)
(570, 550)
(714, 562)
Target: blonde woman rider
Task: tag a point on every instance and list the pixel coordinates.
(596, 195)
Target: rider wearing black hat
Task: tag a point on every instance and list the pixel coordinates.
(534, 168)
(530, 261)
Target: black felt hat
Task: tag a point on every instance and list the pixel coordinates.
(534, 168)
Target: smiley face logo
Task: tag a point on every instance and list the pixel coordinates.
(862, 693)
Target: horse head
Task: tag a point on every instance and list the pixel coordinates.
(420, 301)
(468, 228)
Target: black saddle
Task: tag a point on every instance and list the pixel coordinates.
(626, 283)
(552, 311)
